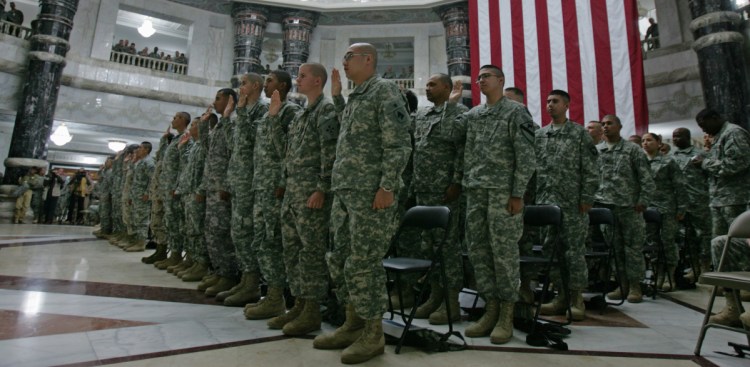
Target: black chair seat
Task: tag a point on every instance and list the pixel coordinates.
(405, 264)
(594, 254)
(536, 260)
(733, 280)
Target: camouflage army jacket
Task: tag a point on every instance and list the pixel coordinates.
(374, 143)
(154, 188)
(624, 176)
(565, 166)
(197, 161)
(142, 171)
(499, 147)
(696, 181)
(270, 147)
(116, 177)
(669, 196)
(217, 160)
(728, 167)
(437, 145)
(170, 166)
(127, 168)
(183, 180)
(240, 171)
(311, 148)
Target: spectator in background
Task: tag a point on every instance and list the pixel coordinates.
(79, 190)
(182, 59)
(131, 49)
(54, 183)
(155, 53)
(652, 34)
(14, 15)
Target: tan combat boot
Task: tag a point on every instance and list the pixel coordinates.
(730, 315)
(223, 295)
(440, 316)
(408, 298)
(173, 259)
(180, 265)
(138, 246)
(271, 306)
(635, 295)
(619, 293)
(182, 272)
(307, 321)
(432, 303)
(369, 345)
(669, 282)
(278, 322)
(208, 281)
(248, 293)
(223, 284)
(557, 306)
(503, 330)
(577, 307)
(487, 322)
(343, 336)
(158, 255)
(196, 273)
(125, 242)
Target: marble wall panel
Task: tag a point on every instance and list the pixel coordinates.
(677, 101)
(82, 37)
(438, 55)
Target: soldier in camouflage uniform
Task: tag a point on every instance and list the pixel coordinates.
(183, 146)
(126, 204)
(372, 151)
(173, 212)
(498, 164)
(305, 210)
(669, 199)
(737, 259)
(697, 219)
(218, 206)
(437, 181)
(105, 200)
(118, 230)
(566, 177)
(158, 228)
(139, 196)
(239, 175)
(194, 200)
(626, 187)
(268, 190)
(728, 169)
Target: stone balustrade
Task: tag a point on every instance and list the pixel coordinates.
(148, 62)
(14, 30)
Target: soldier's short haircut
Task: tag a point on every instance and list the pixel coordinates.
(497, 70)
(614, 118)
(228, 92)
(682, 130)
(561, 93)
(707, 114)
(131, 148)
(148, 146)
(185, 116)
(516, 91)
(317, 70)
(283, 77)
(369, 49)
(444, 78)
(656, 137)
(254, 78)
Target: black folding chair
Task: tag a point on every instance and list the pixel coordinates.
(546, 216)
(734, 280)
(424, 218)
(601, 249)
(654, 250)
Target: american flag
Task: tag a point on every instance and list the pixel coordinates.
(589, 48)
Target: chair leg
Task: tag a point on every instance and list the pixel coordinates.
(705, 326)
(408, 321)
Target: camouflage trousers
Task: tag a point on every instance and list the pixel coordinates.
(667, 236)
(305, 234)
(697, 225)
(219, 235)
(105, 214)
(738, 254)
(452, 254)
(139, 218)
(492, 236)
(158, 228)
(37, 204)
(117, 225)
(361, 236)
(195, 239)
(127, 214)
(242, 230)
(572, 245)
(174, 220)
(629, 234)
(267, 237)
(723, 216)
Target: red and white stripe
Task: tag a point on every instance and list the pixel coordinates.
(543, 45)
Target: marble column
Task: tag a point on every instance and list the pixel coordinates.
(36, 109)
(456, 22)
(721, 59)
(249, 29)
(297, 26)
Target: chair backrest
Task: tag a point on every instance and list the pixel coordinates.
(601, 216)
(427, 217)
(542, 215)
(652, 215)
(740, 227)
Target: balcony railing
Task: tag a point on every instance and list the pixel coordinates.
(148, 62)
(650, 44)
(14, 30)
(402, 83)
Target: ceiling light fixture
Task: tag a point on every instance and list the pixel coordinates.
(61, 135)
(147, 29)
(116, 145)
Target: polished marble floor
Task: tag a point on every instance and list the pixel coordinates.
(68, 299)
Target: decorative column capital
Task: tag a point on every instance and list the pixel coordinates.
(297, 25)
